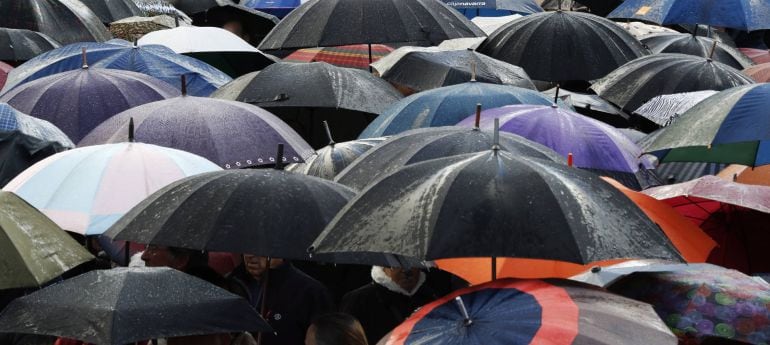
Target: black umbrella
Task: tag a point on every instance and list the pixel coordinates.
(19, 151)
(125, 305)
(324, 23)
(254, 25)
(499, 204)
(698, 46)
(419, 145)
(194, 6)
(597, 7)
(563, 46)
(428, 68)
(110, 11)
(637, 82)
(305, 94)
(66, 21)
(18, 45)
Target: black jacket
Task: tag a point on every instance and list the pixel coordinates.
(293, 300)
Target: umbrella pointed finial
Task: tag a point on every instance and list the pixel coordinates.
(713, 48)
(467, 322)
(136, 42)
(478, 116)
(473, 70)
(569, 159)
(176, 19)
(84, 57)
(556, 95)
(329, 133)
(184, 85)
(279, 158)
(131, 130)
(496, 136)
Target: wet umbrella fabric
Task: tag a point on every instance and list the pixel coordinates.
(423, 69)
(4, 70)
(563, 46)
(34, 249)
(760, 73)
(715, 302)
(237, 135)
(729, 127)
(255, 24)
(495, 8)
(446, 106)
(757, 55)
(14, 120)
(125, 305)
(255, 213)
(638, 81)
(351, 56)
(19, 151)
(747, 15)
(598, 7)
(278, 8)
(66, 21)
(422, 144)
(77, 101)
(109, 11)
(475, 205)
(511, 311)
(195, 6)
(664, 109)
(325, 23)
(215, 46)
(88, 189)
(698, 46)
(330, 160)
(18, 45)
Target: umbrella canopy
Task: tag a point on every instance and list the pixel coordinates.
(598, 7)
(237, 135)
(446, 106)
(330, 160)
(716, 302)
(109, 11)
(747, 175)
(489, 25)
(125, 305)
(563, 46)
(4, 70)
(760, 73)
(638, 81)
(640, 30)
(350, 56)
(606, 275)
(664, 109)
(532, 312)
(475, 205)
(591, 105)
(255, 212)
(88, 189)
(17, 45)
(423, 69)
(419, 145)
(14, 120)
(34, 249)
(306, 94)
(747, 15)
(698, 46)
(756, 55)
(278, 8)
(195, 6)
(325, 23)
(66, 21)
(19, 151)
(495, 8)
(215, 46)
(594, 145)
(77, 101)
(253, 25)
(729, 127)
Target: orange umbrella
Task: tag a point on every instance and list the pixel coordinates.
(743, 174)
(760, 73)
(689, 239)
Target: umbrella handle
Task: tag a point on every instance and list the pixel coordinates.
(467, 322)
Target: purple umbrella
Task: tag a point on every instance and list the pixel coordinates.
(229, 133)
(78, 101)
(594, 145)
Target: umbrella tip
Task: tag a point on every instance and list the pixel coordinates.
(478, 116)
(496, 136)
(569, 159)
(556, 95)
(183, 80)
(329, 133)
(131, 130)
(467, 318)
(279, 158)
(84, 57)
(596, 269)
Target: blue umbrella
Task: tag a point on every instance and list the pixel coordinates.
(747, 15)
(278, 8)
(495, 8)
(153, 60)
(446, 106)
(79, 100)
(14, 120)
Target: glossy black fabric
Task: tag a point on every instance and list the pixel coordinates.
(17, 45)
(19, 151)
(66, 21)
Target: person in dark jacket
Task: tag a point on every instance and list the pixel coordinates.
(392, 296)
(292, 300)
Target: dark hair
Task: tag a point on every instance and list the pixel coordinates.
(197, 258)
(338, 329)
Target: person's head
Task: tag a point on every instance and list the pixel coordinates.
(406, 278)
(234, 26)
(257, 265)
(177, 258)
(335, 329)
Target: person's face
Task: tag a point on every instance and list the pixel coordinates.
(405, 278)
(257, 265)
(234, 27)
(160, 256)
(310, 336)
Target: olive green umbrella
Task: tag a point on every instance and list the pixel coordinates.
(33, 250)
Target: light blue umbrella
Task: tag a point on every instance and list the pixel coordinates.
(747, 15)
(14, 120)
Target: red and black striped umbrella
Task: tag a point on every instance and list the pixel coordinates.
(351, 56)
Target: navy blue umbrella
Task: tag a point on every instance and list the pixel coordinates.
(153, 60)
(278, 8)
(747, 15)
(446, 106)
(494, 8)
(79, 100)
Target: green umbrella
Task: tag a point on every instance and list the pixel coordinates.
(33, 250)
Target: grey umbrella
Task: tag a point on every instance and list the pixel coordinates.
(125, 305)
(18, 45)
(66, 21)
(109, 11)
(698, 46)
